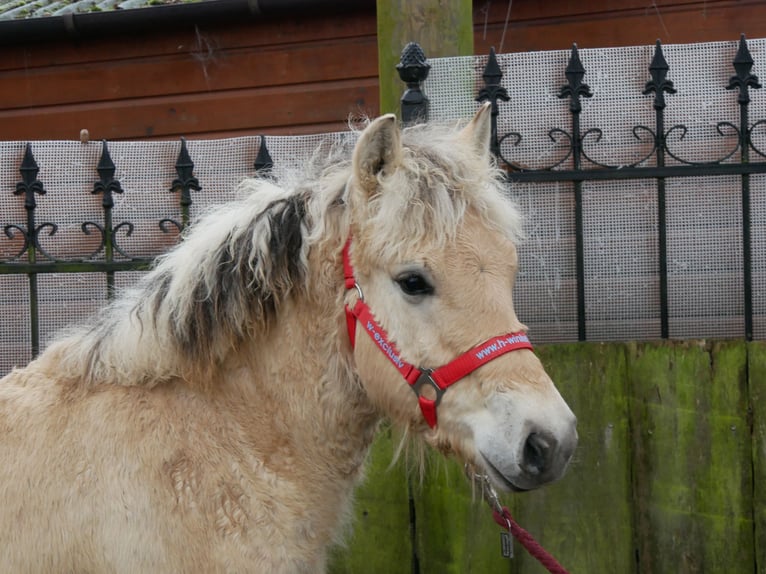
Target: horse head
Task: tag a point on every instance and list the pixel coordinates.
(431, 263)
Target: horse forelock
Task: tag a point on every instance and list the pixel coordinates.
(426, 199)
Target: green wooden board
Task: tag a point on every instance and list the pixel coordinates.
(455, 530)
(757, 380)
(380, 541)
(584, 520)
(692, 457)
(667, 477)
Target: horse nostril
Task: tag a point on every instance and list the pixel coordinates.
(536, 456)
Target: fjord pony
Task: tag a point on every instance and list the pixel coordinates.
(216, 417)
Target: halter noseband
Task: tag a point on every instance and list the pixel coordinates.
(417, 377)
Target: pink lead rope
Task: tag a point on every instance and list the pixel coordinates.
(503, 517)
(532, 546)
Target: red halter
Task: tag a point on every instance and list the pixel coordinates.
(438, 379)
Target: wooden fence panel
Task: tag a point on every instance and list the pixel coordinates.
(672, 442)
(692, 457)
(455, 530)
(757, 379)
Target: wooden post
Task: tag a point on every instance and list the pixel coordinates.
(441, 27)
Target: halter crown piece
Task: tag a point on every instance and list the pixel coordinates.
(418, 377)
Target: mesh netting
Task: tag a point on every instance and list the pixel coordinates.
(620, 235)
(620, 218)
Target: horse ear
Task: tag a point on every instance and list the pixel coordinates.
(379, 149)
(478, 132)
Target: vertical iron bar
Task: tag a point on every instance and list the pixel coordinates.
(492, 92)
(574, 89)
(29, 186)
(108, 252)
(747, 251)
(107, 185)
(743, 63)
(34, 309)
(579, 249)
(662, 235)
(30, 173)
(662, 238)
(659, 84)
(185, 182)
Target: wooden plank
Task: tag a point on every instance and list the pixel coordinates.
(496, 12)
(380, 542)
(295, 130)
(584, 520)
(189, 73)
(692, 457)
(757, 379)
(708, 22)
(199, 39)
(321, 103)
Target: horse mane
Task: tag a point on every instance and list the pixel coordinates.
(226, 282)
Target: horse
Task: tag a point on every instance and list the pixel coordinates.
(216, 417)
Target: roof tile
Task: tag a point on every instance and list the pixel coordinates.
(23, 9)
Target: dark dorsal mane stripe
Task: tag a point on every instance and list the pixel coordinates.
(238, 300)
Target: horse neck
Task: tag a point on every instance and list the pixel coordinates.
(300, 379)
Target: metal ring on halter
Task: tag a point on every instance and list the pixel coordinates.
(359, 290)
(425, 379)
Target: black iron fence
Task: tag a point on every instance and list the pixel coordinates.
(26, 254)
(660, 163)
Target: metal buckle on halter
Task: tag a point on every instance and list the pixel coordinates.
(488, 492)
(425, 378)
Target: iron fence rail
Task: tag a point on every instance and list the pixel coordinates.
(576, 166)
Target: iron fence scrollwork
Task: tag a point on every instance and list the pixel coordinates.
(577, 165)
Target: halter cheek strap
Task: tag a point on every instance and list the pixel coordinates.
(417, 377)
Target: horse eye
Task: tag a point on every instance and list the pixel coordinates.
(414, 284)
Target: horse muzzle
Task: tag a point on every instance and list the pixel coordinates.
(530, 455)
